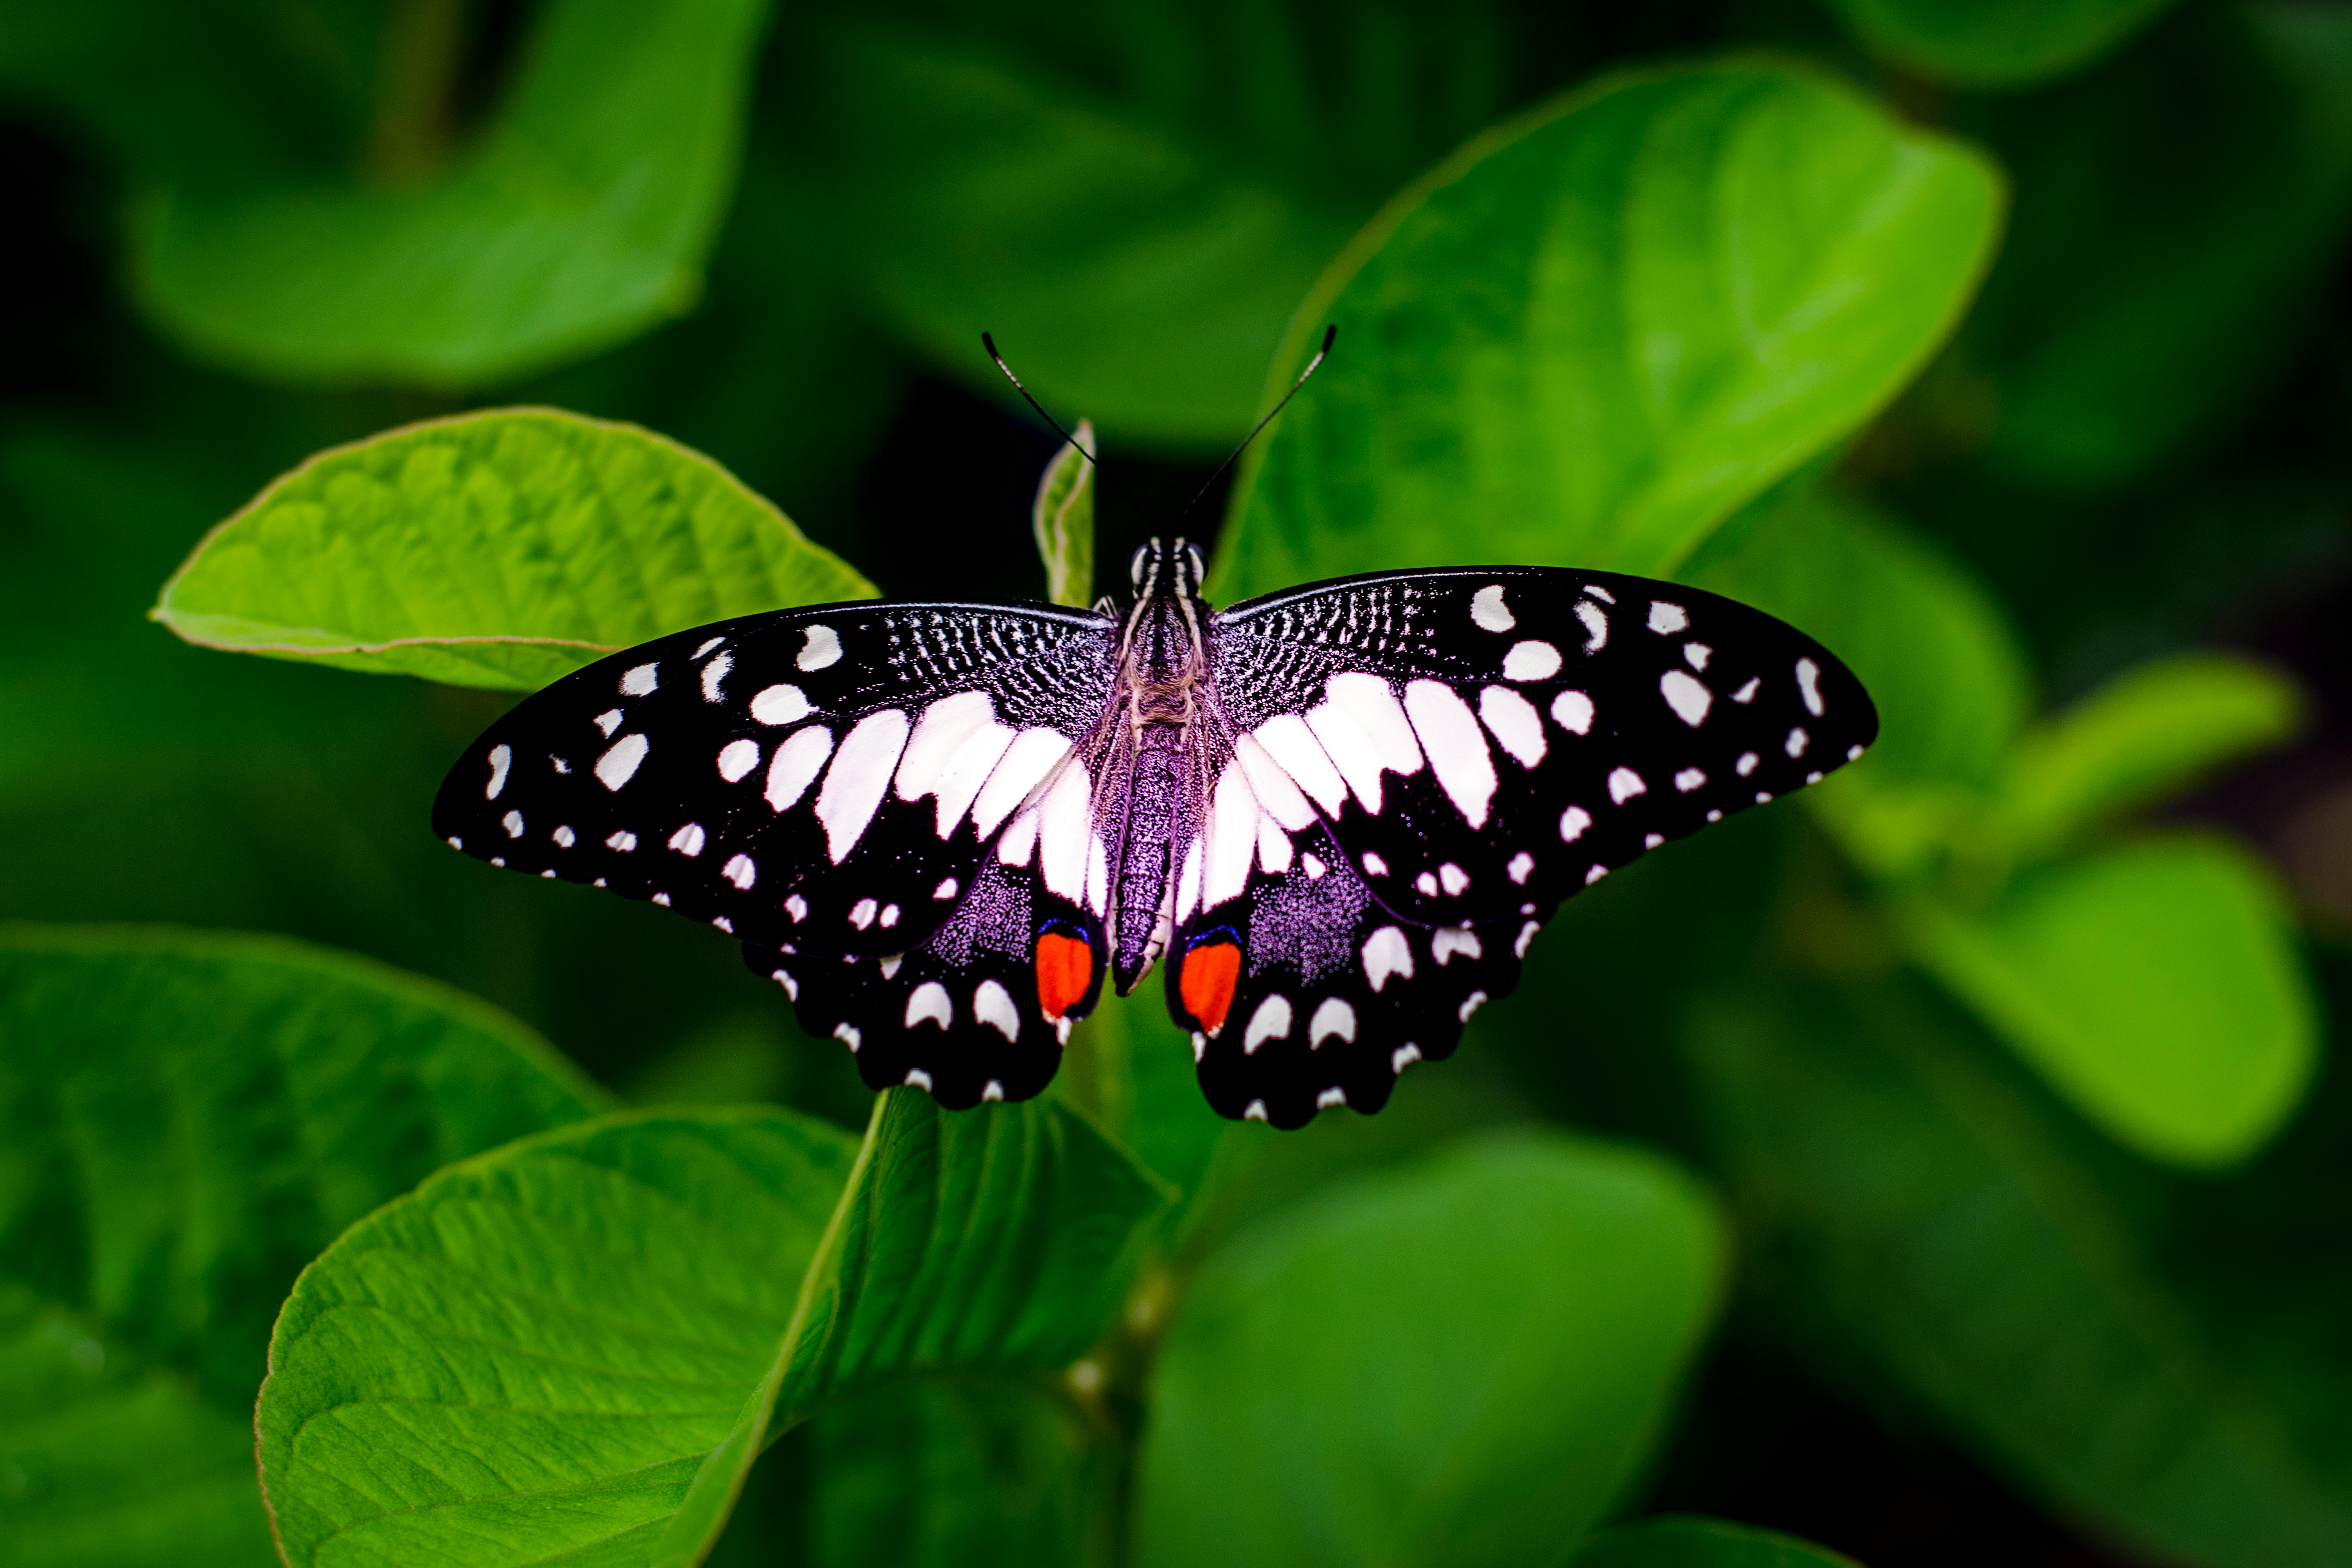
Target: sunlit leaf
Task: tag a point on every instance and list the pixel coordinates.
(1936, 1228)
(581, 218)
(183, 1122)
(502, 548)
(1601, 328)
(2154, 729)
(2003, 44)
(2156, 986)
(1462, 1362)
(578, 1345)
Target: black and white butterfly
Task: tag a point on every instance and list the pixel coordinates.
(1340, 812)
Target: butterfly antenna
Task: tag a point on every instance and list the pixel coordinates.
(1330, 333)
(989, 342)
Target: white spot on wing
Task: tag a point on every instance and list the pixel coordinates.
(1402, 1057)
(1796, 743)
(641, 681)
(1747, 693)
(1746, 764)
(1288, 742)
(565, 837)
(1275, 790)
(1689, 779)
(501, 758)
(796, 765)
(1526, 936)
(736, 758)
(1624, 783)
(619, 763)
(792, 986)
(918, 1078)
(1273, 847)
(608, 722)
(713, 673)
(1330, 1097)
(1687, 696)
(1651, 840)
(1363, 730)
(1486, 608)
(1596, 625)
(992, 1090)
(1065, 830)
(1531, 660)
(1521, 867)
(1312, 865)
(780, 704)
(1374, 866)
(1470, 1004)
(858, 778)
(1445, 941)
(1334, 1019)
(1698, 653)
(1809, 686)
(1513, 723)
(1426, 884)
(1254, 1111)
(930, 1004)
(622, 842)
(862, 913)
(946, 890)
(1573, 824)
(819, 647)
(1027, 760)
(1270, 1021)
(1386, 954)
(741, 871)
(513, 823)
(1457, 749)
(1231, 838)
(796, 907)
(688, 841)
(1667, 619)
(1020, 840)
(1453, 879)
(1573, 710)
(993, 1005)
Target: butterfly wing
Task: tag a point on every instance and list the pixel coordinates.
(829, 778)
(1460, 750)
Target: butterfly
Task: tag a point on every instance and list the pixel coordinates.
(1337, 815)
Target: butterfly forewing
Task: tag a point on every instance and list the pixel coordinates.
(827, 777)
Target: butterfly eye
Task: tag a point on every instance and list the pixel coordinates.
(1139, 570)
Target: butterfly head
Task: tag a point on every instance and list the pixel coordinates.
(1161, 567)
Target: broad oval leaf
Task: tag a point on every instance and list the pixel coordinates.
(2156, 988)
(2154, 729)
(1700, 1544)
(1599, 329)
(500, 549)
(1463, 1361)
(1939, 1229)
(1996, 44)
(572, 1349)
(580, 219)
(185, 1121)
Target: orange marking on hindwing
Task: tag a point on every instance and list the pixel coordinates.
(1206, 984)
(1065, 967)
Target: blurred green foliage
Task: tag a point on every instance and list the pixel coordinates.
(1987, 1091)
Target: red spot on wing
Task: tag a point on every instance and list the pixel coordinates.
(1065, 967)
(1206, 986)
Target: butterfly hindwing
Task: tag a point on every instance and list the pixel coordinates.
(963, 1014)
(823, 777)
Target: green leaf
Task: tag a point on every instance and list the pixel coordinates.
(2172, 214)
(958, 1474)
(185, 1121)
(1462, 1362)
(2005, 44)
(1063, 520)
(2156, 986)
(573, 1348)
(1599, 329)
(502, 548)
(581, 218)
(2154, 729)
(1700, 1544)
(1936, 1228)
